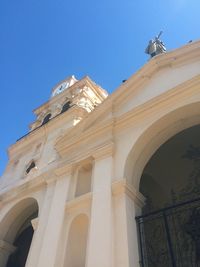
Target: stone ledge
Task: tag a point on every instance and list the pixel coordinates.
(122, 187)
(79, 201)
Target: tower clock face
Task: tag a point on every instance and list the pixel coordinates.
(61, 87)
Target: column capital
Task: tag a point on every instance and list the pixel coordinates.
(104, 151)
(7, 247)
(64, 170)
(58, 173)
(122, 187)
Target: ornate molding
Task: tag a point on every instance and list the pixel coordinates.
(79, 201)
(104, 151)
(79, 136)
(122, 187)
(21, 188)
(64, 170)
(183, 92)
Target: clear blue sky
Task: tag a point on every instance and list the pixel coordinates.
(44, 41)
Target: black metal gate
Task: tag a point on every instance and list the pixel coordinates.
(171, 236)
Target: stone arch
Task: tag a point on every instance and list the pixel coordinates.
(66, 105)
(156, 135)
(14, 223)
(78, 234)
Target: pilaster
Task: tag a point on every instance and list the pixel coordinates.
(127, 203)
(39, 226)
(100, 234)
(56, 216)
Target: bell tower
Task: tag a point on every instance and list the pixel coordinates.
(80, 95)
(32, 172)
(71, 100)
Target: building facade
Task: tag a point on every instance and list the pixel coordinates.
(92, 163)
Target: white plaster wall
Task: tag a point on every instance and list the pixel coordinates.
(17, 164)
(49, 154)
(164, 80)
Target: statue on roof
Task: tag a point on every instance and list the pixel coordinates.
(155, 46)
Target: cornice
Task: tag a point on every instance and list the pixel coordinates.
(104, 151)
(80, 83)
(79, 201)
(66, 117)
(21, 188)
(24, 144)
(98, 89)
(169, 98)
(64, 170)
(67, 144)
(122, 187)
(24, 186)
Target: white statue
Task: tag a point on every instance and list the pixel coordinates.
(155, 46)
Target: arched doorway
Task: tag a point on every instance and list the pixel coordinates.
(16, 231)
(169, 228)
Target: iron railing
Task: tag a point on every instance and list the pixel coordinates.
(170, 237)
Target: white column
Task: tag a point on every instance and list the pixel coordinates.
(55, 222)
(127, 203)
(40, 226)
(99, 253)
(5, 250)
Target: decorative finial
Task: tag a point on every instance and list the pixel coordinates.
(155, 46)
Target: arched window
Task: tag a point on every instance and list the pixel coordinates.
(30, 167)
(46, 118)
(66, 106)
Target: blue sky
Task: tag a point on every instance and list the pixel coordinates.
(44, 41)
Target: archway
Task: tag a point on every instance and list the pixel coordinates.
(16, 233)
(154, 135)
(169, 227)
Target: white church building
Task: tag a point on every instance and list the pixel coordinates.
(109, 180)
